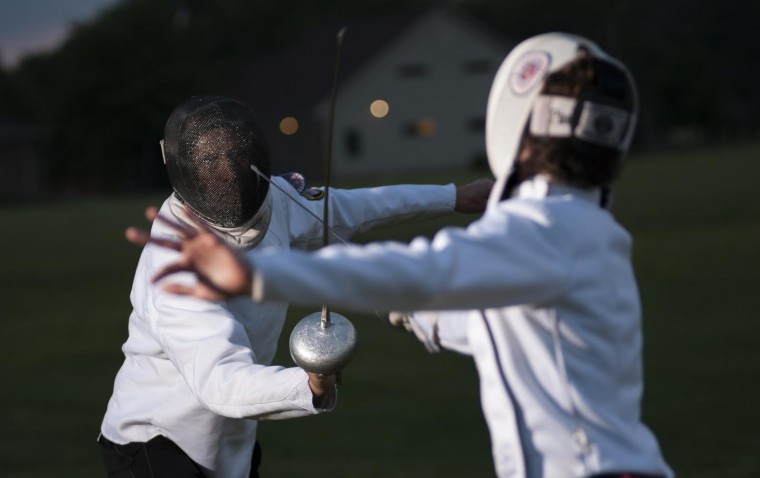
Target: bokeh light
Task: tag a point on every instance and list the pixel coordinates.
(379, 108)
(288, 125)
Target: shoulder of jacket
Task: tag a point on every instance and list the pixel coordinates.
(298, 182)
(295, 179)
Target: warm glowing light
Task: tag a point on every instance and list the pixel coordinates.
(288, 125)
(379, 108)
(425, 128)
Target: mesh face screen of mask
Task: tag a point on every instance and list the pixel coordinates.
(210, 144)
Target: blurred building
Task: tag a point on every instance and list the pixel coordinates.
(412, 95)
(21, 163)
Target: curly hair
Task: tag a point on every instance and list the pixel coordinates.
(570, 160)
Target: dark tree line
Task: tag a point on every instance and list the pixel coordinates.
(104, 95)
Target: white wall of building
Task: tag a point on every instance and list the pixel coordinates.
(436, 75)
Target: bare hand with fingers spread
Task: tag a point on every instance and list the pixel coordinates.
(221, 272)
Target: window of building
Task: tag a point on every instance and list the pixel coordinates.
(477, 125)
(477, 66)
(413, 70)
(423, 128)
(353, 144)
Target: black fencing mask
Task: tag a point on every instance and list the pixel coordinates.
(210, 143)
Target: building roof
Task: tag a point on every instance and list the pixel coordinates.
(301, 75)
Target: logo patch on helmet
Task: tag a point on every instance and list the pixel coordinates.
(551, 116)
(603, 125)
(313, 194)
(528, 71)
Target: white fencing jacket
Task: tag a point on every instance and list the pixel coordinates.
(193, 368)
(541, 292)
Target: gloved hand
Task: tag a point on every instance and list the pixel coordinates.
(426, 331)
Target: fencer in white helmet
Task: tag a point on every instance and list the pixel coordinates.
(593, 124)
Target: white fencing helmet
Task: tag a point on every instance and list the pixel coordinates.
(516, 106)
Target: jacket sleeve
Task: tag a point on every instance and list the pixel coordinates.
(215, 357)
(500, 260)
(443, 329)
(358, 210)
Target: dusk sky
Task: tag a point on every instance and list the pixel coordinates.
(38, 25)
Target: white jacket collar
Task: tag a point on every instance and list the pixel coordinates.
(246, 236)
(541, 186)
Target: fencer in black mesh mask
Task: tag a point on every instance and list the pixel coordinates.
(210, 146)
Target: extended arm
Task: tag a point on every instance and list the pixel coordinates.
(358, 210)
(497, 262)
(500, 260)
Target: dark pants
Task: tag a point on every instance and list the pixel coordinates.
(159, 457)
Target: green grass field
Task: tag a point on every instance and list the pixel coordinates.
(66, 274)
